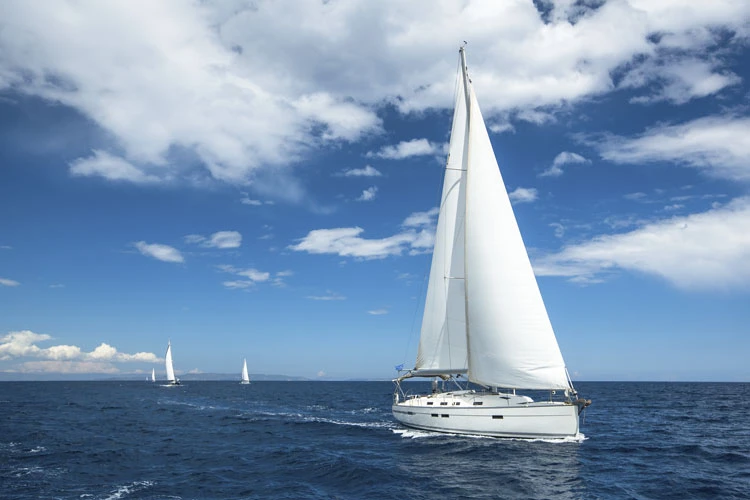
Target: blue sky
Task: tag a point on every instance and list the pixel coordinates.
(260, 180)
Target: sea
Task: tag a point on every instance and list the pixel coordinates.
(338, 440)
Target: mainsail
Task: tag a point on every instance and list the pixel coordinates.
(168, 361)
(245, 376)
(442, 345)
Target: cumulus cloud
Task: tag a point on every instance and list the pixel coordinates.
(189, 83)
(407, 149)
(158, 251)
(225, 239)
(8, 282)
(720, 146)
(111, 168)
(709, 250)
(523, 195)
(60, 358)
(367, 171)
(564, 158)
(368, 194)
(417, 236)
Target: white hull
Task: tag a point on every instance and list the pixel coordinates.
(489, 414)
(245, 382)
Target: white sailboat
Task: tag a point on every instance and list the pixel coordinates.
(171, 379)
(484, 317)
(245, 376)
(153, 375)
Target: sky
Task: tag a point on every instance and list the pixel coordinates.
(261, 180)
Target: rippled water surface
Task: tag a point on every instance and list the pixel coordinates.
(120, 440)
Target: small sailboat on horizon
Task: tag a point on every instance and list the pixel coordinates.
(484, 317)
(245, 376)
(153, 375)
(171, 379)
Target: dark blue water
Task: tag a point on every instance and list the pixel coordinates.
(123, 440)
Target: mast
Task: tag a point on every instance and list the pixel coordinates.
(467, 152)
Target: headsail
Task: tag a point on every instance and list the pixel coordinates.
(511, 341)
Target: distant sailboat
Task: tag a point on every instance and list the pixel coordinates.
(171, 379)
(245, 376)
(484, 316)
(153, 375)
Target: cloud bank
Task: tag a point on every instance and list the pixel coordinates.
(65, 358)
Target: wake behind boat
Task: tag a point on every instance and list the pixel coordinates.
(171, 379)
(484, 316)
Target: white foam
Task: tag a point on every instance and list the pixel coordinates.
(367, 425)
(127, 489)
(414, 434)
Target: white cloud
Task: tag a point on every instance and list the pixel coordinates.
(252, 277)
(378, 312)
(22, 344)
(367, 171)
(407, 149)
(417, 236)
(160, 77)
(111, 168)
(368, 194)
(422, 219)
(679, 80)
(718, 145)
(8, 282)
(248, 201)
(523, 195)
(564, 158)
(220, 239)
(158, 251)
(328, 296)
(225, 239)
(559, 229)
(709, 250)
(238, 284)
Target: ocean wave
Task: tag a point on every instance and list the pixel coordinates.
(122, 491)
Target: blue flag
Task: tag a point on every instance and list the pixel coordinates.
(399, 367)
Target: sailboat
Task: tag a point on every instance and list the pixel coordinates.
(153, 375)
(484, 318)
(245, 376)
(171, 379)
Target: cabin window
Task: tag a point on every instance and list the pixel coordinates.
(410, 412)
(444, 415)
(478, 403)
(429, 403)
(435, 415)
(497, 417)
(443, 403)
